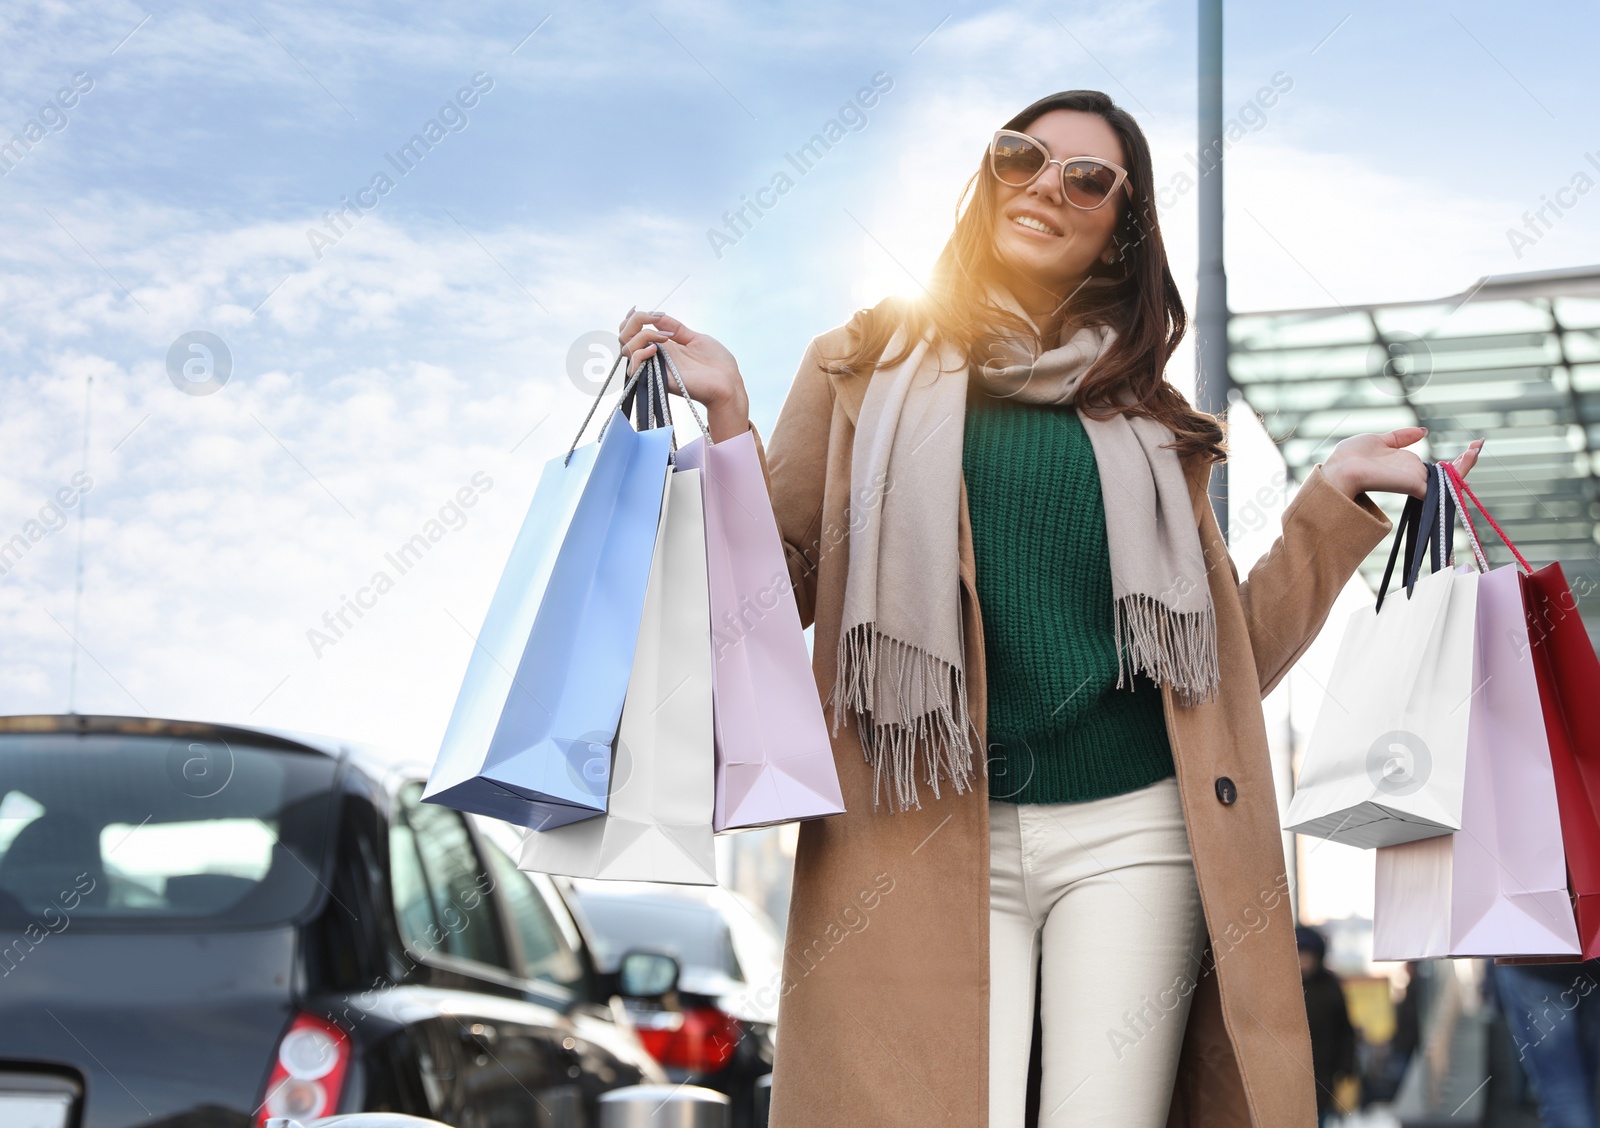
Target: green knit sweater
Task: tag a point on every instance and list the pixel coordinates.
(1059, 729)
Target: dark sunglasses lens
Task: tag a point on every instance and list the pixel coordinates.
(1017, 160)
(1088, 183)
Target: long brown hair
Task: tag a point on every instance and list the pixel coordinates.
(1135, 295)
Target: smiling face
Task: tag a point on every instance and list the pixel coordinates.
(1038, 235)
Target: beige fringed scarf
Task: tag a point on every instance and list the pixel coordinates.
(900, 646)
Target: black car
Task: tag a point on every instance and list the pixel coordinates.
(203, 926)
(719, 1031)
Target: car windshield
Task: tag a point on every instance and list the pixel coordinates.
(113, 832)
(695, 933)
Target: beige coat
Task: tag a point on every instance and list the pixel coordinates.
(885, 1011)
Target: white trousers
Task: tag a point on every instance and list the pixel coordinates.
(1101, 898)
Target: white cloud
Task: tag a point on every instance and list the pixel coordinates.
(366, 393)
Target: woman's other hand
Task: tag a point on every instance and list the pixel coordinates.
(1363, 463)
(709, 371)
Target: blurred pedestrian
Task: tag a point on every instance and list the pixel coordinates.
(1554, 1018)
(1394, 1056)
(1381, 1065)
(1333, 1039)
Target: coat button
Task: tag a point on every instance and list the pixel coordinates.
(1226, 791)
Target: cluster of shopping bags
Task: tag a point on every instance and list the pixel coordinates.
(1460, 738)
(641, 681)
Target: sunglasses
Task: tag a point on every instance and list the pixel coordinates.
(1086, 182)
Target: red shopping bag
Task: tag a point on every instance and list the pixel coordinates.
(1569, 688)
(1568, 674)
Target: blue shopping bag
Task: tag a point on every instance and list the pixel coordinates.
(530, 738)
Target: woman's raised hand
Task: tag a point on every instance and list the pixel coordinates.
(709, 371)
(1381, 462)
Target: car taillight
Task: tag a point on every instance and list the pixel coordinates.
(703, 1042)
(308, 1072)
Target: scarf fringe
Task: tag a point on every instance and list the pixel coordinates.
(1175, 647)
(938, 737)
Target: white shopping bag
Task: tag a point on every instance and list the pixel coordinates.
(657, 825)
(1386, 762)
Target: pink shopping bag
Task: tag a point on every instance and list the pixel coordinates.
(1498, 886)
(774, 759)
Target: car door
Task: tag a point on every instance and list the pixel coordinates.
(604, 1051)
(496, 1056)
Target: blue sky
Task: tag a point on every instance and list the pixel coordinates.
(430, 343)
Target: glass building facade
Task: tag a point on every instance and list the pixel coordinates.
(1515, 359)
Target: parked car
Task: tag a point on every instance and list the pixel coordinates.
(720, 1033)
(204, 926)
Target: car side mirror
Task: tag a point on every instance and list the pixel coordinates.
(647, 975)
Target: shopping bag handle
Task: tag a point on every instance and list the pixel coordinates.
(1449, 481)
(1425, 523)
(1459, 482)
(647, 402)
(683, 390)
(1405, 529)
(1432, 520)
(1438, 522)
(595, 403)
(651, 409)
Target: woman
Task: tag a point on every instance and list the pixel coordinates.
(995, 514)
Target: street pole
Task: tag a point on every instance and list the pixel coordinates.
(1212, 383)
